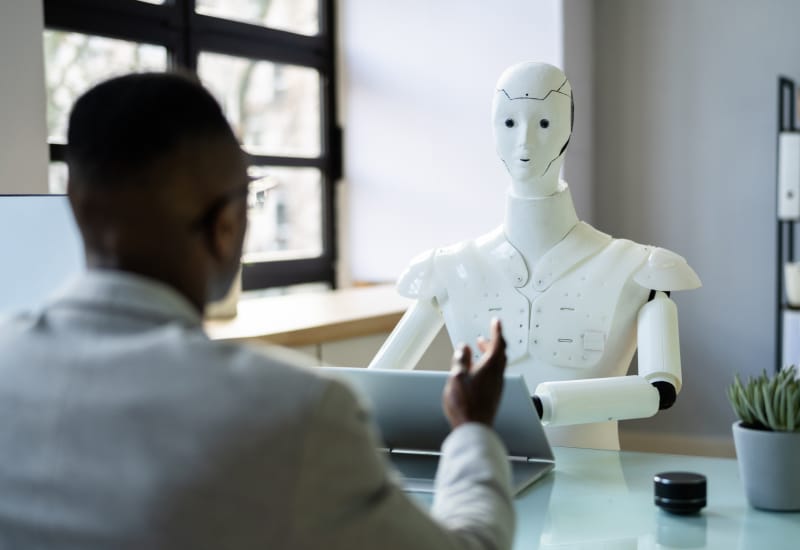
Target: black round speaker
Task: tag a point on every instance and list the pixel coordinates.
(680, 492)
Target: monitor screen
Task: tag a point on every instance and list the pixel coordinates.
(40, 249)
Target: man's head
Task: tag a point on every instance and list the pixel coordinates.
(158, 183)
(532, 122)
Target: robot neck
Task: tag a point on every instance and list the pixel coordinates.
(535, 225)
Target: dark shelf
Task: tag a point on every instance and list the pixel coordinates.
(787, 93)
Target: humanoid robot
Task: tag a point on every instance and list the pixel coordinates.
(574, 302)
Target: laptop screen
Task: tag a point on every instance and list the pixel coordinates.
(40, 249)
(407, 407)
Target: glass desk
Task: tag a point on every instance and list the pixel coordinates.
(603, 500)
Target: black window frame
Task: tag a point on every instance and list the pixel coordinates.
(184, 33)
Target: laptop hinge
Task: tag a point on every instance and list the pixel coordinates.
(514, 458)
(402, 451)
(398, 451)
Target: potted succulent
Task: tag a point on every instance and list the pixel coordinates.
(767, 438)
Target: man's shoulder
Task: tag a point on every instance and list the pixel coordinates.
(234, 385)
(16, 321)
(16, 330)
(265, 365)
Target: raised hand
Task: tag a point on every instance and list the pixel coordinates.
(473, 391)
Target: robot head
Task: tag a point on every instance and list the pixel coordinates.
(532, 120)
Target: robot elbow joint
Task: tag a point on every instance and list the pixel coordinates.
(666, 394)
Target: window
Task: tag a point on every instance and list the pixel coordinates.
(270, 64)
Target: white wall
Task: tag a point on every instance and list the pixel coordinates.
(685, 125)
(417, 84)
(23, 130)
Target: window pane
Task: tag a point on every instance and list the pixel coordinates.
(285, 214)
(75, 62)
(274, 108)
(298, 16)
(57, 182)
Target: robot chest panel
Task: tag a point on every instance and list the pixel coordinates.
(584, 320)
(581, 323)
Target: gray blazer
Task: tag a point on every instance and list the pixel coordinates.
(123, 426)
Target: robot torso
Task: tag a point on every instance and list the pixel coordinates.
(572, 315)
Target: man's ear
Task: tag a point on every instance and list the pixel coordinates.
(225, 239)
(226, 232)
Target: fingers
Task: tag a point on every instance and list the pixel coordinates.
(462, 360)
(497, 333)
(494, 351)
(472, 392)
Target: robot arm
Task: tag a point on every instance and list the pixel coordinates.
(624, 397)
(596, 400)
(410, 338)
(420, 324)
(659, 348)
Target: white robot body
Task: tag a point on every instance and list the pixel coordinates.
(659, 345)
(576, 311)
(571, 323)
(572, 299)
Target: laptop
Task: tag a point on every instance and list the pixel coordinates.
(406, 405)
(40, 247)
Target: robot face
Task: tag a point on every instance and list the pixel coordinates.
(532, 119)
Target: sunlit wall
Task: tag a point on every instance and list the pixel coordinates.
(417, 80)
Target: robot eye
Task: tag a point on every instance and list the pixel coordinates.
(509, 123)
(544, 123)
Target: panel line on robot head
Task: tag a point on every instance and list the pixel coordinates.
(561, 91)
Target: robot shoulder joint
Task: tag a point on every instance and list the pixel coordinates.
(665, 270)
(417, 281)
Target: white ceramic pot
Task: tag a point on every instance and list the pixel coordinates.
(768, 466)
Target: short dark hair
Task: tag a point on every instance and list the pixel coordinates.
(120, 127)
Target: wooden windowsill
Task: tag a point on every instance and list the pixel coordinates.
(304, 319)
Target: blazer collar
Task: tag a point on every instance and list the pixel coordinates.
(129, 293)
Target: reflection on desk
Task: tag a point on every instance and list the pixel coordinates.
(604, 500)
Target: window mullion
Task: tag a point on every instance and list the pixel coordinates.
(239, 46)
(291, 162)
(136, 21)
(187, 57)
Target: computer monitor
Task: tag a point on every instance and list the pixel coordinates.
(40, 249)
